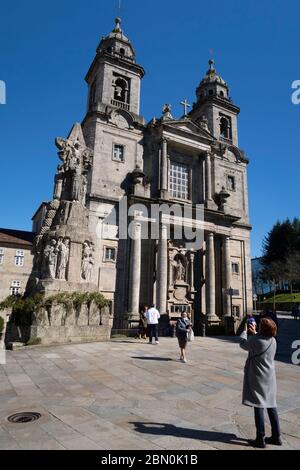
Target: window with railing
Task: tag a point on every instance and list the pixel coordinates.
(121, 92)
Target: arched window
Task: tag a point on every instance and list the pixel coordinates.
(121, 90)
(109, 50)
(222, 93)
(210, 92)
(225, 128)
(122, 51)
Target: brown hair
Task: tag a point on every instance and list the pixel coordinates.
(267, 327)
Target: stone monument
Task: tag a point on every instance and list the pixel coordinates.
(64, 249)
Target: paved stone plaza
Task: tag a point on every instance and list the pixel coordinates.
(126, 394)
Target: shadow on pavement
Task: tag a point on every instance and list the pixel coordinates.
(162, 429)
(164, 359)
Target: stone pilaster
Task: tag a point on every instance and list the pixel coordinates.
(171, 280)
(162, 270)
(135, 272)
(210, 279)
(164, 169)
(227, 274)
(192, 281)
(208, 195)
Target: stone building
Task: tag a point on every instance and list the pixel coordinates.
(129, 196)
(194, 161)
(16, 255)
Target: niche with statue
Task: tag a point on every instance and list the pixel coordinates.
(181, 281)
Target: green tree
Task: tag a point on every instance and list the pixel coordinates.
(292, 269)
(283, 239)
(281, 254)
(274, 274)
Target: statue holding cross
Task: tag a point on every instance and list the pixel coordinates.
(186, 105)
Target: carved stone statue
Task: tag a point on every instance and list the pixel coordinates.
(77, 181)
(49, 260)
(77, 161)
(179, 271)
(58, 182)
(167, 112)
(204, 122)
(88, 262)
(62, 258)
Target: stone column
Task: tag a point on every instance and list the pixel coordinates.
(192, 259)
(164, 168)
(227, 274)
(135, 274)
(162, 270)
(208, 177)
(210, 279)
(171, 280)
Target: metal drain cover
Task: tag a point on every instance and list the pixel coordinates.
(26, 417)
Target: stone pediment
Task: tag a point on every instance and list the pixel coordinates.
(190, 127)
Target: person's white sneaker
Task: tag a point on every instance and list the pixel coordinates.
(156, 342)
(184, 360)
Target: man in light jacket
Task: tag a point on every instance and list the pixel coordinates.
(153, 316)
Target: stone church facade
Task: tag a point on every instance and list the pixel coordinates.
(192, 163)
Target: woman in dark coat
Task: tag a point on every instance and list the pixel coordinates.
(260, 389)
(143, 323)
(182, 328)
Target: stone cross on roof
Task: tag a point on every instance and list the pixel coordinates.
(186, 105)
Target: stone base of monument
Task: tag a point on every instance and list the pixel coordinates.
(71, 334)
(59, 322)
(50, 287)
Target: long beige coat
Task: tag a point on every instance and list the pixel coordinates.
(259, 388)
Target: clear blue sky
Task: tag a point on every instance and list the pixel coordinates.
(46, 49)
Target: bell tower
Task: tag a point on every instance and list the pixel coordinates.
(114, 78)
(113, 125)
(214, 103)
